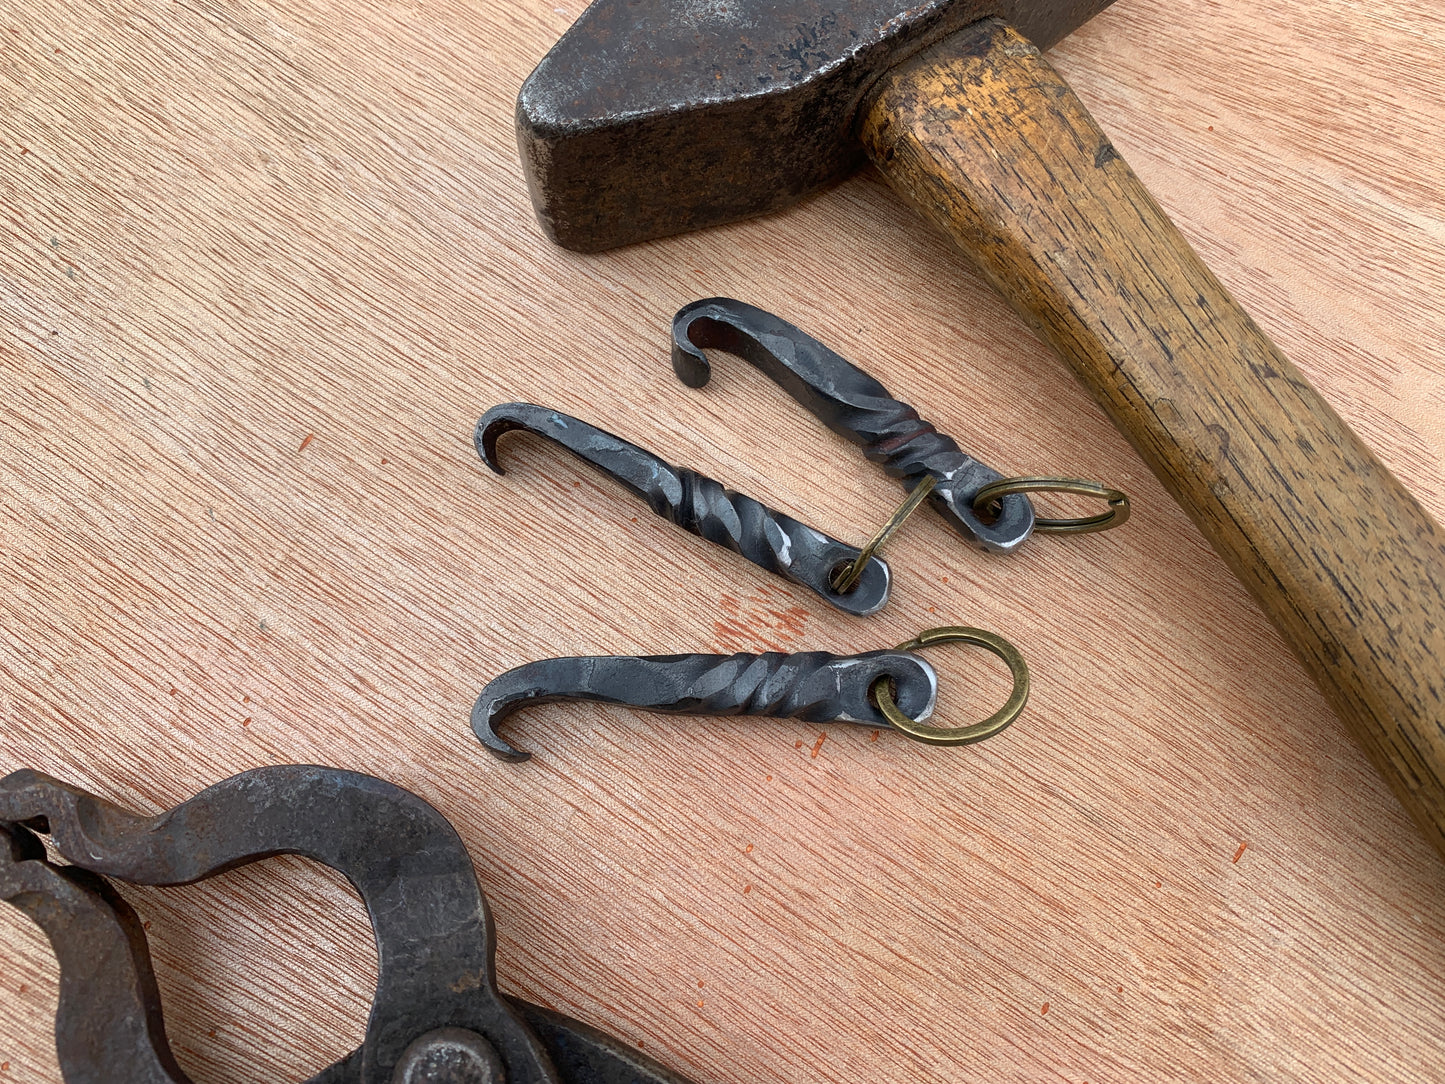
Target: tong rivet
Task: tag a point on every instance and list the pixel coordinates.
(450, 1056)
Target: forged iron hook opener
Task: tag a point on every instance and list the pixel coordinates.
(437, 1016)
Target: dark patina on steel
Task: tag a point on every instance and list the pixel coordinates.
(437, 1017)
(654, 117)
(854, 405)
(813, 686)
(696, 503)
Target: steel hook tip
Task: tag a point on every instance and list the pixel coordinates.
(855, 406)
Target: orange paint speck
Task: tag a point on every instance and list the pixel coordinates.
(700, 984)
(1121, 989)
(769, 779)
(1045, 1010)
(246, 721)
(747, 889)
(245, 699)
(634, 519)
(1211, 127)
(145, 925)
(4, 1066)
(23, 987)
(945, 579)
(819, 744)
(1158, 884)
(384, 461)
(24, 150)
(873, 736)
(933, 609)
(576, 485)
(798, 744)
(307, 439)
(174, 690)
(211, 1034)
(748, 849)
(699, 1004)
(1239, 853)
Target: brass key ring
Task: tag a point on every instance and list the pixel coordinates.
(850, 573)
(1117, 500)
(959, 735)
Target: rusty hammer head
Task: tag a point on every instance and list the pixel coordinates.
(654, 117)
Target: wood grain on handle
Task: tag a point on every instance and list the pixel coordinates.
(983, 136)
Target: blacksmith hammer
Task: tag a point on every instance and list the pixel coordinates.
(652, 117)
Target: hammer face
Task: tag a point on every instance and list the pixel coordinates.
(650, 118)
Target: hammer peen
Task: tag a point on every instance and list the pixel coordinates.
(651, 118)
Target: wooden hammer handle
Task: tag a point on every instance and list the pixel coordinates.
(984, 137)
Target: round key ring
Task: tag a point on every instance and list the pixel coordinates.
(959, 735)
(985, 502)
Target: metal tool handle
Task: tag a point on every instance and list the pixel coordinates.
(435, 962)
(813, 685)
(985, 138)
(699, 505)
(855, 406)
(437, 1017)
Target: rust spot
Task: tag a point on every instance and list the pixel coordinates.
(467, 981)
(1239, 853)
(307, 439)
(757, 622)
(819, 744)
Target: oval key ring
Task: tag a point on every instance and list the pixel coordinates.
(1117, 500)
(959, 735)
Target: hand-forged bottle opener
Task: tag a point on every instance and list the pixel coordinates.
(880, 689)
(854, 405)
(700, 505)
(974, 499)
(437, 1017)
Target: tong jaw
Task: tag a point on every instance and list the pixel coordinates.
(437, 1015)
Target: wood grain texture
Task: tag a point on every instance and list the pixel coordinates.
(986, 138)
(231, 227)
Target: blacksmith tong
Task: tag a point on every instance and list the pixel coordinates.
(437, 1017)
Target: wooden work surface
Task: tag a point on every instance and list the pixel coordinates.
(264, 266)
